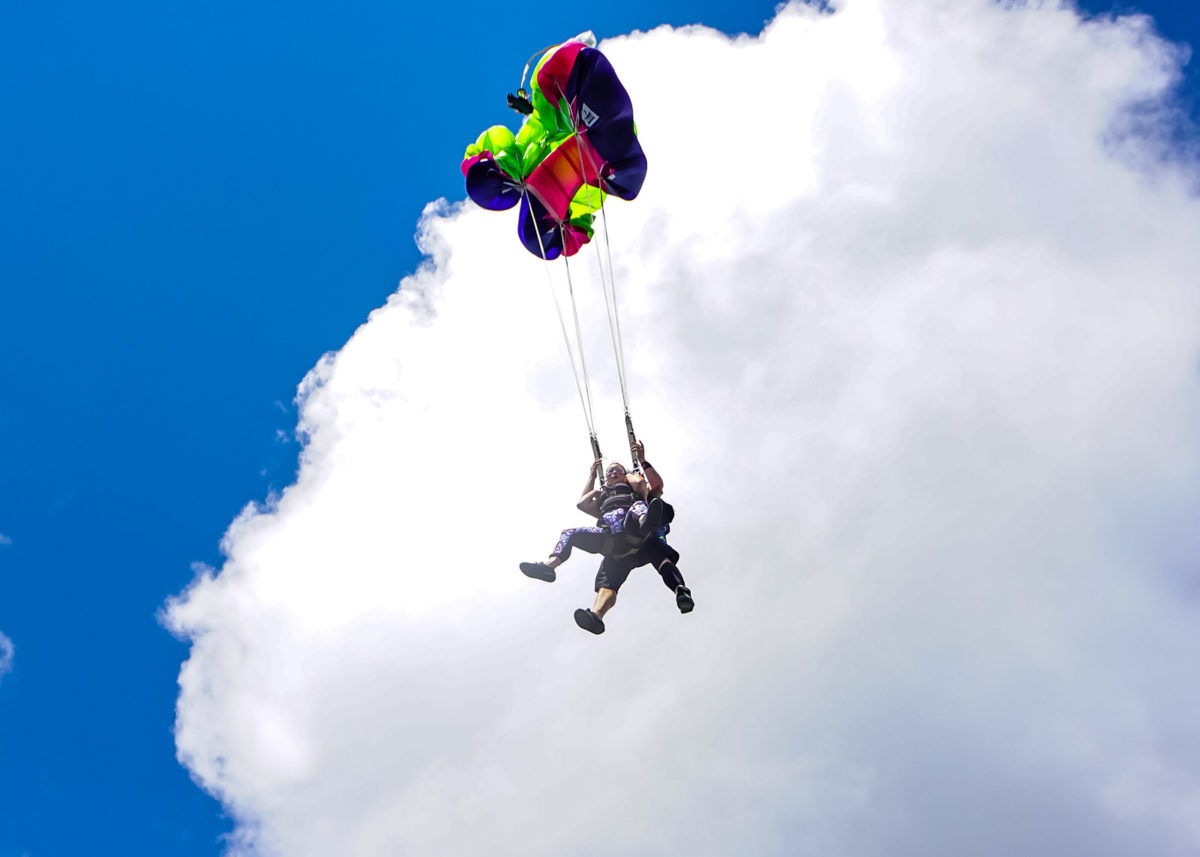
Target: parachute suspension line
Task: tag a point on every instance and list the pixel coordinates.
(614, 330)
(608, 284)
(614, 327)
(587, 388)
(614, 316)
(607, 279)
(585, 400)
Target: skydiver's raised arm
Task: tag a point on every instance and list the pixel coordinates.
(589, 502)
(652, 478)
(589, 487)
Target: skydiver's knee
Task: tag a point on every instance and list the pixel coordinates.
(671, 577)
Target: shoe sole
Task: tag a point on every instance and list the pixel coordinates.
(588, 621)
(538, 571)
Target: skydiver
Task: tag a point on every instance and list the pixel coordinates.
(629, 532)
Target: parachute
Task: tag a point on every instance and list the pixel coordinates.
(577, 146)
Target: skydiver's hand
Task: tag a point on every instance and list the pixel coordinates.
(640, 449)
(596, 465)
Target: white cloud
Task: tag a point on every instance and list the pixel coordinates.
(912, 332)
(7, 651)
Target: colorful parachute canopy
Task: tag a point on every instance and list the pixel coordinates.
(579, 145)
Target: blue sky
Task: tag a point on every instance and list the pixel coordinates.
(199, 201)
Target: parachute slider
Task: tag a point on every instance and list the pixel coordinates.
(521, 103)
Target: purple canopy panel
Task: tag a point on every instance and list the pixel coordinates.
(534, 219)
(557, 237)
(489, 185)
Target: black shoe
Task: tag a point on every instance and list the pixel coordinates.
(683, 597)
(652, 520)
(538, 571)
(589, 621)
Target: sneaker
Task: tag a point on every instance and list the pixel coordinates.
(538, 571)
(683, 597)
(589, 621)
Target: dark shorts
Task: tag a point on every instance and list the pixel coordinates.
(614, 570)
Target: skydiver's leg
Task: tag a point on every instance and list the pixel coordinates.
(605, 599)
(674, 581)
(593, 620)
(588, 539)
(633, 526)
(634, 517)
(642, 519)
(653, 519)
(669, 572)
(612, 573)
(664, 558)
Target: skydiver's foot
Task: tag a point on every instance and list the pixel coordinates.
(589, 621)
(652, 520)
(683, 598)
(538, 571)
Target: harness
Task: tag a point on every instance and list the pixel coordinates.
(617, 496)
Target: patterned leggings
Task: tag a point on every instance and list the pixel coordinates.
(599, 539)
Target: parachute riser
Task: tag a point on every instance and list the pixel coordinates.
(597, 457)
(637, 465)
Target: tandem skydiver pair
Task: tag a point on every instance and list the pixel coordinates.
(632, 522)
